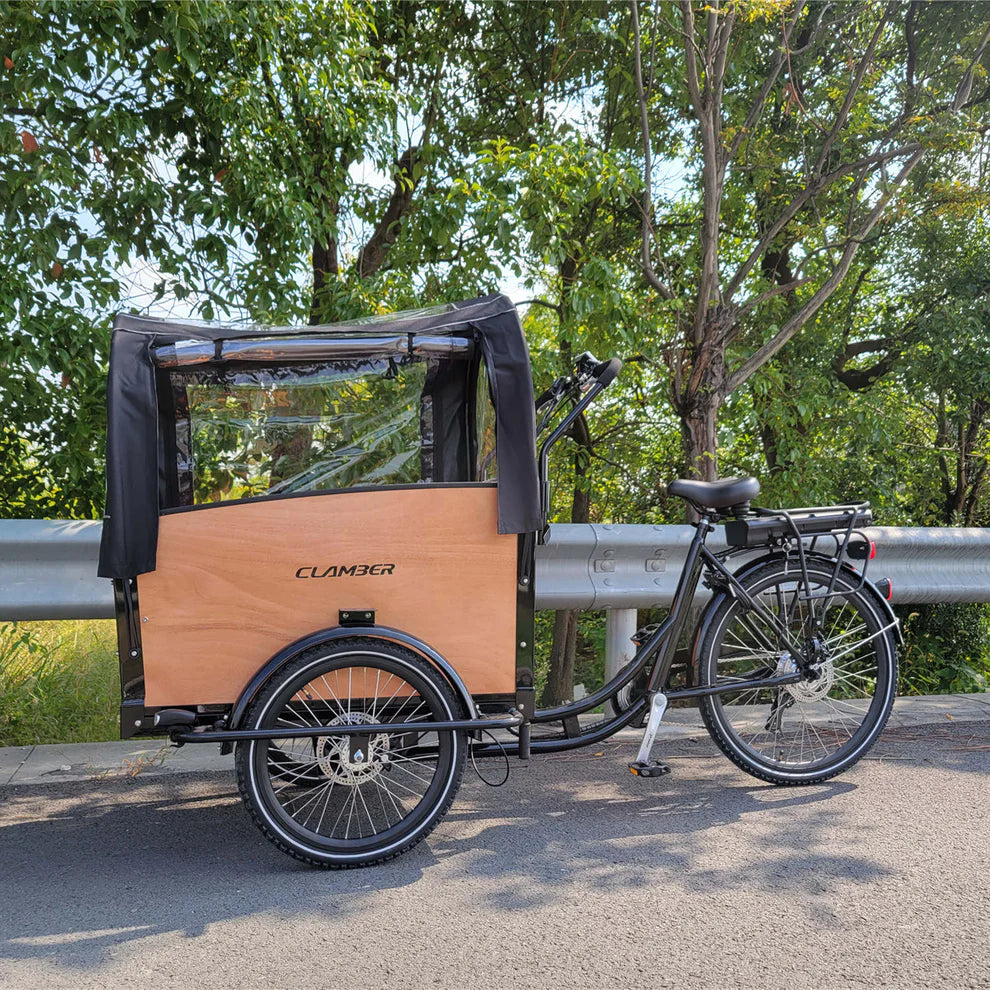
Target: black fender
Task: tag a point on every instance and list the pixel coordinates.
(707, 617)
(384, 633)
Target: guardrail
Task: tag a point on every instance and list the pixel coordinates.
(48, 567)
(631, 566)
(48, 571)
(621, 568)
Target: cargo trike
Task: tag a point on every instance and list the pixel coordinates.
(322, 544)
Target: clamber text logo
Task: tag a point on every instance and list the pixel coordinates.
(346, 570)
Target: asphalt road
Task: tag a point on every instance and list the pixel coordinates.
(575, 874)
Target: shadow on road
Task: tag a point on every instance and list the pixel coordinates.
(595, 826)
(88, 867)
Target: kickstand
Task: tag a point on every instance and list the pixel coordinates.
(644, 766)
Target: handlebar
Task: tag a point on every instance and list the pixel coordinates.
(589, 370)
(591, 378)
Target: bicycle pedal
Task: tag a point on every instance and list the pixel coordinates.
(649, 768)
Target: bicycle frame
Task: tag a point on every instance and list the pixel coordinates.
(660, 647)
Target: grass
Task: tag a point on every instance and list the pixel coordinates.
(58, 682)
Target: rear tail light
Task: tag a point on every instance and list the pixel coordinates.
(886, 588)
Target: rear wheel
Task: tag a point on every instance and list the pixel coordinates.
(811, 730)
(351, 800)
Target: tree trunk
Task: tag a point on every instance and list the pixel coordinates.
(325, 272)
(293, 452)
(961, 486)
(769, 438)
(698, 431)
(560, 680)
(699, 387)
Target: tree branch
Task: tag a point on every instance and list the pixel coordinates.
(777, 290)
(690, 56)
(772, 346)
(857, 347)
(860, 378)
(372, 256)
(761, 98)
(647, 230)
(541, 302)
(811, 190)
(966, 83)
(708, 110)
(857, 81)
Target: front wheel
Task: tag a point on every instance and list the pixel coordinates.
(809, 731)
(342, 800)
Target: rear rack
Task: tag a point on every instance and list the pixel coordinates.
(774, 525)
(799, 532)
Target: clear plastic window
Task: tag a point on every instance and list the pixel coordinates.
(277, 431)
(487, 470)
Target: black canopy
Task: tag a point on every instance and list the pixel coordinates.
(142, 346)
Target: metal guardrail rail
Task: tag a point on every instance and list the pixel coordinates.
(633, 566)
(48, 571)
(48, 567)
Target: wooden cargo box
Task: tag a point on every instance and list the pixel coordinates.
(237, 582)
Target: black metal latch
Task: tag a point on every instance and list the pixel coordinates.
(356, 617)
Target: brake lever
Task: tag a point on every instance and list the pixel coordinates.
(586, 365)
(554, 395)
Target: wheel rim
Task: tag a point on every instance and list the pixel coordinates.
(326, 795)
(813, 723)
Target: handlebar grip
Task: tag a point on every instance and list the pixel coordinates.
(608, 371)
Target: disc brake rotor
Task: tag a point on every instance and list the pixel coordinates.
(334, 757)
(814, 690)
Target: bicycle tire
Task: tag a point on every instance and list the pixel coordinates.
(393, 798)
(836, 717)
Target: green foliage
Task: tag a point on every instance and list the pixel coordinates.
(290, 161)
(81, 198)
(885, 395)
(287, 161)
(222, 158)
(58, 683)
(589, 662)
(947, 649)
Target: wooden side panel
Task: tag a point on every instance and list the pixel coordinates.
(236, 583)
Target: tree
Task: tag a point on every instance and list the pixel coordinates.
(79, 201)
(946, 371)
(557, 173)
(362, 118)
(808, 120)
(280, 161)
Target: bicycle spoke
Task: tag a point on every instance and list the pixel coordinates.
(315, 781)
(842, 664)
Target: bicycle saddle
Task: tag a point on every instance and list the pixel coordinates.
(716, 494)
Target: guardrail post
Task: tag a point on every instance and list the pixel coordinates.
(620, 627)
